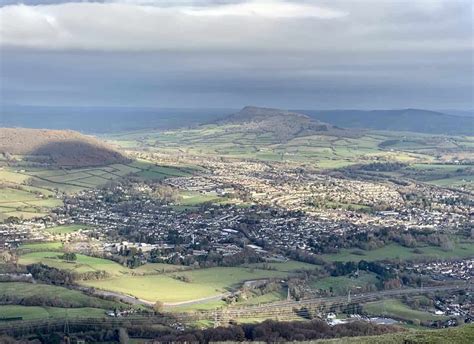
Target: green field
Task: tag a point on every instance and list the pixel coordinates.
(341, 284)
(154, 281)
(29, 192)
(81, 265)
(445, 175)
(201, 306)
(453, 335)
(48, 254)
(157, 268)
(461, 181)
(66, 229)
(202, 283)
(43, 246)
(155, 287)
(25, 202)
(287, 266)
(192, 199)
(395, 251)
(420, 151)
(44, 313)
(149, 171)
(266, 298)
(396, 309)
(51, 294)
(325, 151)
(74, 180)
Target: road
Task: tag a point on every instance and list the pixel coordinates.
(196, 301)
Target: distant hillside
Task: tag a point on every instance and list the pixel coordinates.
(415, 120)
(59, 147)
(283, 124)
(463, 334)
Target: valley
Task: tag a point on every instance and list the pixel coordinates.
(264, 208)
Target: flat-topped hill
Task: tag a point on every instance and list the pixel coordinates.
(258, 114)
(284, 124)
(58, 147)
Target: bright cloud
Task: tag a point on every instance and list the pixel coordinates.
(324, 53)
(153, 25)
(256, 25)
(267, 9)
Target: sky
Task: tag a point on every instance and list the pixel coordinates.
(299, 54)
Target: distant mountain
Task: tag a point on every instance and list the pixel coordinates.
(282, 124)
(58, 147)
(464, 113)
(415, 120)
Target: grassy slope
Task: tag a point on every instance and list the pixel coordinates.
(25, 190)
(202, 283)
(48, 254)
(50, 292)
(43, 246)
(82, 264)
(454, 335)
(43, 313)
(394, 251)
(154, 281)
(227, 140)
(66, 229)
(159, 279)
(155, 287)
(322, 151)
(341, 284)
(397, 309)
(290, 265)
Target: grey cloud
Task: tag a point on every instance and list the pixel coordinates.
(385, 54)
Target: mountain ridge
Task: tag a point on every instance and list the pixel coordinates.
(409, 119)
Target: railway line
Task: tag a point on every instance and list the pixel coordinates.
(281, 311)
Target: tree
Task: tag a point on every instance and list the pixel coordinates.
(123, 336)
(446, 244)
(69, 256)
(5, 256)
(158, 306)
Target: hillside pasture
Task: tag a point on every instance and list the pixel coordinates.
(288, 266)
(66, 229)
(342, 284)
(397, 309)
(49, 253)
(453, 335)
(42, 246)
(394, 251)
(24, 203)
(44, 313)
(83, 264)
(325, 151)
(186, 285)
(41, 293)
(155, 287)
(196, 198)
(74, 180)
(28, 192)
